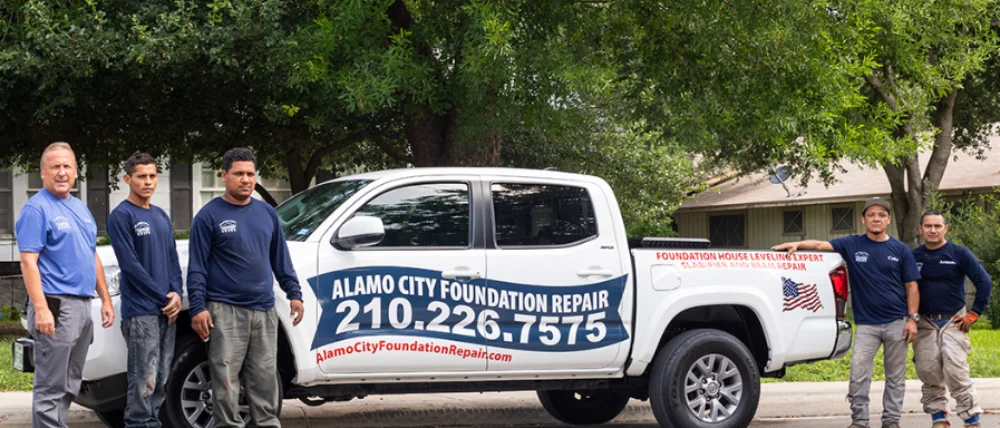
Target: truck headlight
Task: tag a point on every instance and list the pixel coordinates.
(113, 276)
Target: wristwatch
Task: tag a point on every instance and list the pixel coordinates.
(915, 317)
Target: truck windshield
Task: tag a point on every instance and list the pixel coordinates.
(304, 212)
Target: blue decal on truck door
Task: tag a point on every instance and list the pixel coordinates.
(392, 300)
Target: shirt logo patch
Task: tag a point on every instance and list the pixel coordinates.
(142, 229)
(62, 223)
(894, 258)
(861, 257)
(228, 226)
(947, 262)
(919, 266)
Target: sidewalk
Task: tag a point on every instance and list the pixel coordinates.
(778, 400)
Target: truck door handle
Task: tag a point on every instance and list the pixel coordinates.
(455, 274)
(594, 272)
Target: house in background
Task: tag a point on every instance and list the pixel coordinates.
(182, 190)
(753, 213)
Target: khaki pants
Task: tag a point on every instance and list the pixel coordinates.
(867, 339)
(243, 350)
(941, 358)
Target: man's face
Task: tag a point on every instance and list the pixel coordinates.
(143, 180)
(240, 179)
(59, 172)
(876, 219)
(933, 229)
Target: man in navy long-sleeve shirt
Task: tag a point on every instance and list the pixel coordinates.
(941, 350)
(236, 244)
(143, 240)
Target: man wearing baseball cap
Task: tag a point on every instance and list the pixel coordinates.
(885, 300)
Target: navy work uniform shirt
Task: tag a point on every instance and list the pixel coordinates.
(878, 272)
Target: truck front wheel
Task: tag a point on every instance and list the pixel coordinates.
(704, 378)
(583, 407)
(189, 389)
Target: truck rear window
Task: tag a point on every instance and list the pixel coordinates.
(531, 215)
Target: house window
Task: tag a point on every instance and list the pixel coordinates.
(727, 230)
(792, 223)
(97, 198)
(180, 196)
(843, 219)
(6, 202)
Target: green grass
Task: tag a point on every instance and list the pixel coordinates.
(10, 379)
(983, 362)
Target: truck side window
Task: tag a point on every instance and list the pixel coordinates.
(423, 215)
(542, 215)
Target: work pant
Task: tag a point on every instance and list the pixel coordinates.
(941, 358)
(867, 339)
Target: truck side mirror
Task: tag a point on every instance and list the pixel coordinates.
(359, 231)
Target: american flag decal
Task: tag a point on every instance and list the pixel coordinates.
(799, 295)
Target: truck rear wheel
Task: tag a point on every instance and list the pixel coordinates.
(583, 407)
(704, 378)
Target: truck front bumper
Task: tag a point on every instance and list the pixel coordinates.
(844, 336)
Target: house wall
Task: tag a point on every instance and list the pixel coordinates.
(764, 227)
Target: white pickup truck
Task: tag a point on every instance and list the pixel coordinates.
(489, 279)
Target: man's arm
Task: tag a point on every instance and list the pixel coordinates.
(912, 306)
(107, 308)
(807, 245)
(30, 232)
(284, 271)
(122, 241)
(199, 245)
(44, 320)
(281, 262)
(977, 274)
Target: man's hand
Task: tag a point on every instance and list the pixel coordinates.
(202, 324)
(44, 322)
(173, 307)
(107, 314)
(910, 331)
(791, 247)
(965, 323)
(297, 310)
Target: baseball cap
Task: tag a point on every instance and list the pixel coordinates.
(876, 201)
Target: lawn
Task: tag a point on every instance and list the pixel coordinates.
(983, 362)
(10, 379)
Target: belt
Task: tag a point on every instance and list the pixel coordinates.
(937, 317)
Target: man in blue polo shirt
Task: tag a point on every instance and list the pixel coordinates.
(236, 244)
(942, 347)
(885, 300)
(143, 240)
(57, 238)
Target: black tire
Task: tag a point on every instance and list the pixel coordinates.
(191, 355)
(721, 352)
(112, 418)
(583, 407)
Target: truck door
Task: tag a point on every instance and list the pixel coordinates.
(553, 259)
(389, 307)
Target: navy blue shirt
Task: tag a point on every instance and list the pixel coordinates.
(143, 240)
(63, 233)
(878, 272)
(234, 249)
(942, 279)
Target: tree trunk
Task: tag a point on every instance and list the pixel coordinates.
(435, 141)
(911, 190)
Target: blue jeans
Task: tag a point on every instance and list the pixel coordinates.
(150, 344)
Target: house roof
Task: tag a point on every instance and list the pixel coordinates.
(964, 173)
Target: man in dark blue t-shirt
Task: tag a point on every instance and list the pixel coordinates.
(941, 350)
(885, 299)
(236, 244)
(143, 239)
